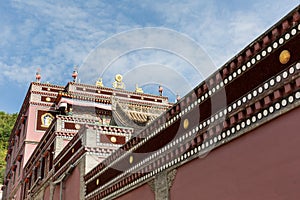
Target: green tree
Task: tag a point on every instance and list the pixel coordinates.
(7, 122)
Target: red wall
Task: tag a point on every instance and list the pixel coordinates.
(47, 193)
(143, 192)
(263, 164)
(72, 185)
(56, 192)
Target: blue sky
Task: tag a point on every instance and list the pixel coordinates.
(57, 35)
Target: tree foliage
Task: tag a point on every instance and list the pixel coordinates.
(7, 122)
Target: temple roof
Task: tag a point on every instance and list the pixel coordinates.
(135, 115)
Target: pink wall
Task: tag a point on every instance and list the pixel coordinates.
(32, 134)
(263, 164)
(29, 148)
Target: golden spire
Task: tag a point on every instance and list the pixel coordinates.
(138, 89)
(99, 83)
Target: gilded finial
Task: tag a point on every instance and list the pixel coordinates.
(138, 89)
(99, 83)
(118, 84)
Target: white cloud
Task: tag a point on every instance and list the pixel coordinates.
(155, 39)
(16, 73)
(57, 36)
(26, 74)
(222, 31)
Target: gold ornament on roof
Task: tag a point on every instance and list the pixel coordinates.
(99, 83)
(138, 89)
(118, 84)
(119, 78)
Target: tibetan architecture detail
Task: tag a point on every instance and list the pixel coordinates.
(109, 143)
(99, 83)
(216, 154)
(118, 84)
(138, 89)
(63, 132)
(46, 119)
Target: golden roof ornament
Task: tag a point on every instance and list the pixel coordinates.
(138, 89)
(118, 84)
(99, 83)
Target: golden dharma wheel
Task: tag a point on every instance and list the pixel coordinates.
(118, 78)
